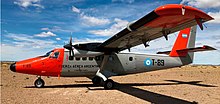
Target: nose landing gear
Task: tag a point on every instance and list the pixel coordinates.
(39, 83)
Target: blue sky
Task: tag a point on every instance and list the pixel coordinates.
(32, 27)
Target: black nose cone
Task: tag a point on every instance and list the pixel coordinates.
(13, 67)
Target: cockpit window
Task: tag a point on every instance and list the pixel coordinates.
(56, 55)
(47, 54)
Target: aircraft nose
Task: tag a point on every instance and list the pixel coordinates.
(13, 67)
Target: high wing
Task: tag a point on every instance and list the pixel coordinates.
(160, 22)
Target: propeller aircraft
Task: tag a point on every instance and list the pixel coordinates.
(100, 61)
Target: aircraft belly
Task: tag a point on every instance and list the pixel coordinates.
(77, 74)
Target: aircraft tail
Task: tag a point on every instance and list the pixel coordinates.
(185, 45)
(186, 39)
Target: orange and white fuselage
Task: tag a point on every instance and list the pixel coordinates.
(100, 61)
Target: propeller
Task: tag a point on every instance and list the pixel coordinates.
(70, 48)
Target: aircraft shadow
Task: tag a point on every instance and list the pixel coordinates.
(196, 83)
(154, 98)
(128, 88)
(65, 86)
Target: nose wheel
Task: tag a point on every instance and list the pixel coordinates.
(39, 83)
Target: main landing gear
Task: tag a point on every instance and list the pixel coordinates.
(39, 83)
(108, 84)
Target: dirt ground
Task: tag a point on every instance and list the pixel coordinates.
(183, 85)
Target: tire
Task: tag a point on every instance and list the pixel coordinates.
(39, 83)
(109, 84)
(96, 80)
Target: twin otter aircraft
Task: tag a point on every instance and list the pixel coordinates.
(99, 61)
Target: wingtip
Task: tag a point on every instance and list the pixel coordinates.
(209, 47)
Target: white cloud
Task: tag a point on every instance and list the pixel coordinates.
(26, 41)
(76, 10)
(45, 34)
(93, 21)
(55, 29)
(119, 25)
(28, 3)
(216, 16)
(126, 1)
(215, 4)
(16, 53)
(202, 3)
(58, 38)
(87, 40)
(45, 28)
(90, 20)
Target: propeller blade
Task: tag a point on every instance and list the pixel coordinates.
(70, 48)
(70, 45)
(70, 40)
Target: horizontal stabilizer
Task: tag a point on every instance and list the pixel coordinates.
(196, 49)
(164, 52)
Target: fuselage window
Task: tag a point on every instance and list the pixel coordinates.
(84, 58)
(97, 58)
(77, 58)
(110, 58)
(90, 58)
(130, 58)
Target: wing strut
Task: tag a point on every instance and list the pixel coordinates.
(146, 43)
(183, 10)
(199, 22)
(165, 33)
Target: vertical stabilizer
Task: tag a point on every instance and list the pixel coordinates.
(186, 39)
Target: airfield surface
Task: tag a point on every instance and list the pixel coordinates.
(183, 85)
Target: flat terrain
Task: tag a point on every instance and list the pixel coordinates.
(173, 86)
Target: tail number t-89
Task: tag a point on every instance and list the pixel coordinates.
(158, 62)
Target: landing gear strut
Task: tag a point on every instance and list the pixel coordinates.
(39, 83)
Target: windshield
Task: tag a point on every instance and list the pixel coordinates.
(47, 54)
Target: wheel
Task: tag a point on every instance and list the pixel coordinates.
(96, 80)
(109, 84)
(39, 83)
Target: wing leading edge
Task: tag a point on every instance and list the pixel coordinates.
(160, 22)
